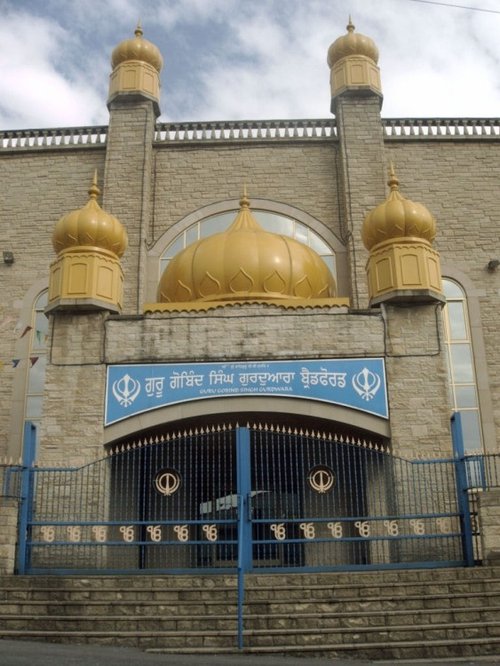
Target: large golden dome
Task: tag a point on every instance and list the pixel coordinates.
(90, 226)
(137, 48)
(397, 217)
(246, 263)
(352, 44)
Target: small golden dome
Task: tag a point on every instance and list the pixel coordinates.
(246, 263)
(397, 217)
(137, 48)
(90, 226)
(350, 45)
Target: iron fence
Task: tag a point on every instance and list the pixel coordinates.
(10, 481)
(298, 500)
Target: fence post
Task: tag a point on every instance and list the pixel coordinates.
(29, 444)
(462, 488)
(244, 520)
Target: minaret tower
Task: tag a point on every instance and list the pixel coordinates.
(133, 103)
(356, 100)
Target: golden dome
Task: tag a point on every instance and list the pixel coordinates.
(397, 217)
(246, 263)
(90, 226)
(137, 48)
(350, 45)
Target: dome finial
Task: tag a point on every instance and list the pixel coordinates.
(393, 181)
(350, 26)
(138, 31)
(94, 190)
(244, 201)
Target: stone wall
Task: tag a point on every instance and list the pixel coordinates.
(301, 174)
(84, 344)
(457, 180)
(361, 178)
(417, 378)
(39, 186)
(489, 522)
(8, 534)
(128, 185)
(72, 428)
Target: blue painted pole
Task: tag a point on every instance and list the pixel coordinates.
(244, 520)
(462, 488)
(29, 444)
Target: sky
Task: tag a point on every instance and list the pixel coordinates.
(245, 59)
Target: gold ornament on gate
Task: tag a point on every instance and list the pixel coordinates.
(167, 482)
(321, 479)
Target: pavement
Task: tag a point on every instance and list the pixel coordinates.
(27, 653)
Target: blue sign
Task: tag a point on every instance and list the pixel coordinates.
(356, 383)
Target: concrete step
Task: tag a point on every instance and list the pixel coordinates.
(383, 614)
(297, 632)
(257, 620)
(411, 603)
(289, 640)
(436, 649)
(101, 608)
(359, 579)
(268, 593)
(142, 639)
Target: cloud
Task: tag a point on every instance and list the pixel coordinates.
(34, 89)
(233, 59)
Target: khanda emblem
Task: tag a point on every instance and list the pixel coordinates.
(366, 384)
(126, 390)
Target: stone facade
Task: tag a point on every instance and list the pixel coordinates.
(328, 174)
(489, 518)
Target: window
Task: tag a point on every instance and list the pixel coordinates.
(37, 361)
(462, 375)
(279, 224)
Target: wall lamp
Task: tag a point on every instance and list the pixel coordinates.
(493, 264)
(8, 257)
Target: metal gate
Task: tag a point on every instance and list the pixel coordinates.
(243, 498)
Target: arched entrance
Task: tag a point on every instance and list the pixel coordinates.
(300, 491)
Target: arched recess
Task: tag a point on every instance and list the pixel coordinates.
(266, 205)
(29, 371)
(472, 295)
(293, 412)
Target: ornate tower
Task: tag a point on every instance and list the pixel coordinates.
(137, 64)
(133, 102)
(87, 274)
(403, 266)
(356, 100)
(353, 65)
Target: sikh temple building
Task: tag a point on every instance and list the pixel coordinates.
(269, 318)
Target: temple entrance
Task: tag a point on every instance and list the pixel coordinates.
(190, 490)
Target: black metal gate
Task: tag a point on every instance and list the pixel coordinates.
(243, 498)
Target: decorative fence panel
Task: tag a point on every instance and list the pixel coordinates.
(245, 499)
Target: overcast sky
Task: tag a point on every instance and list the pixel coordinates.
(245, 59)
